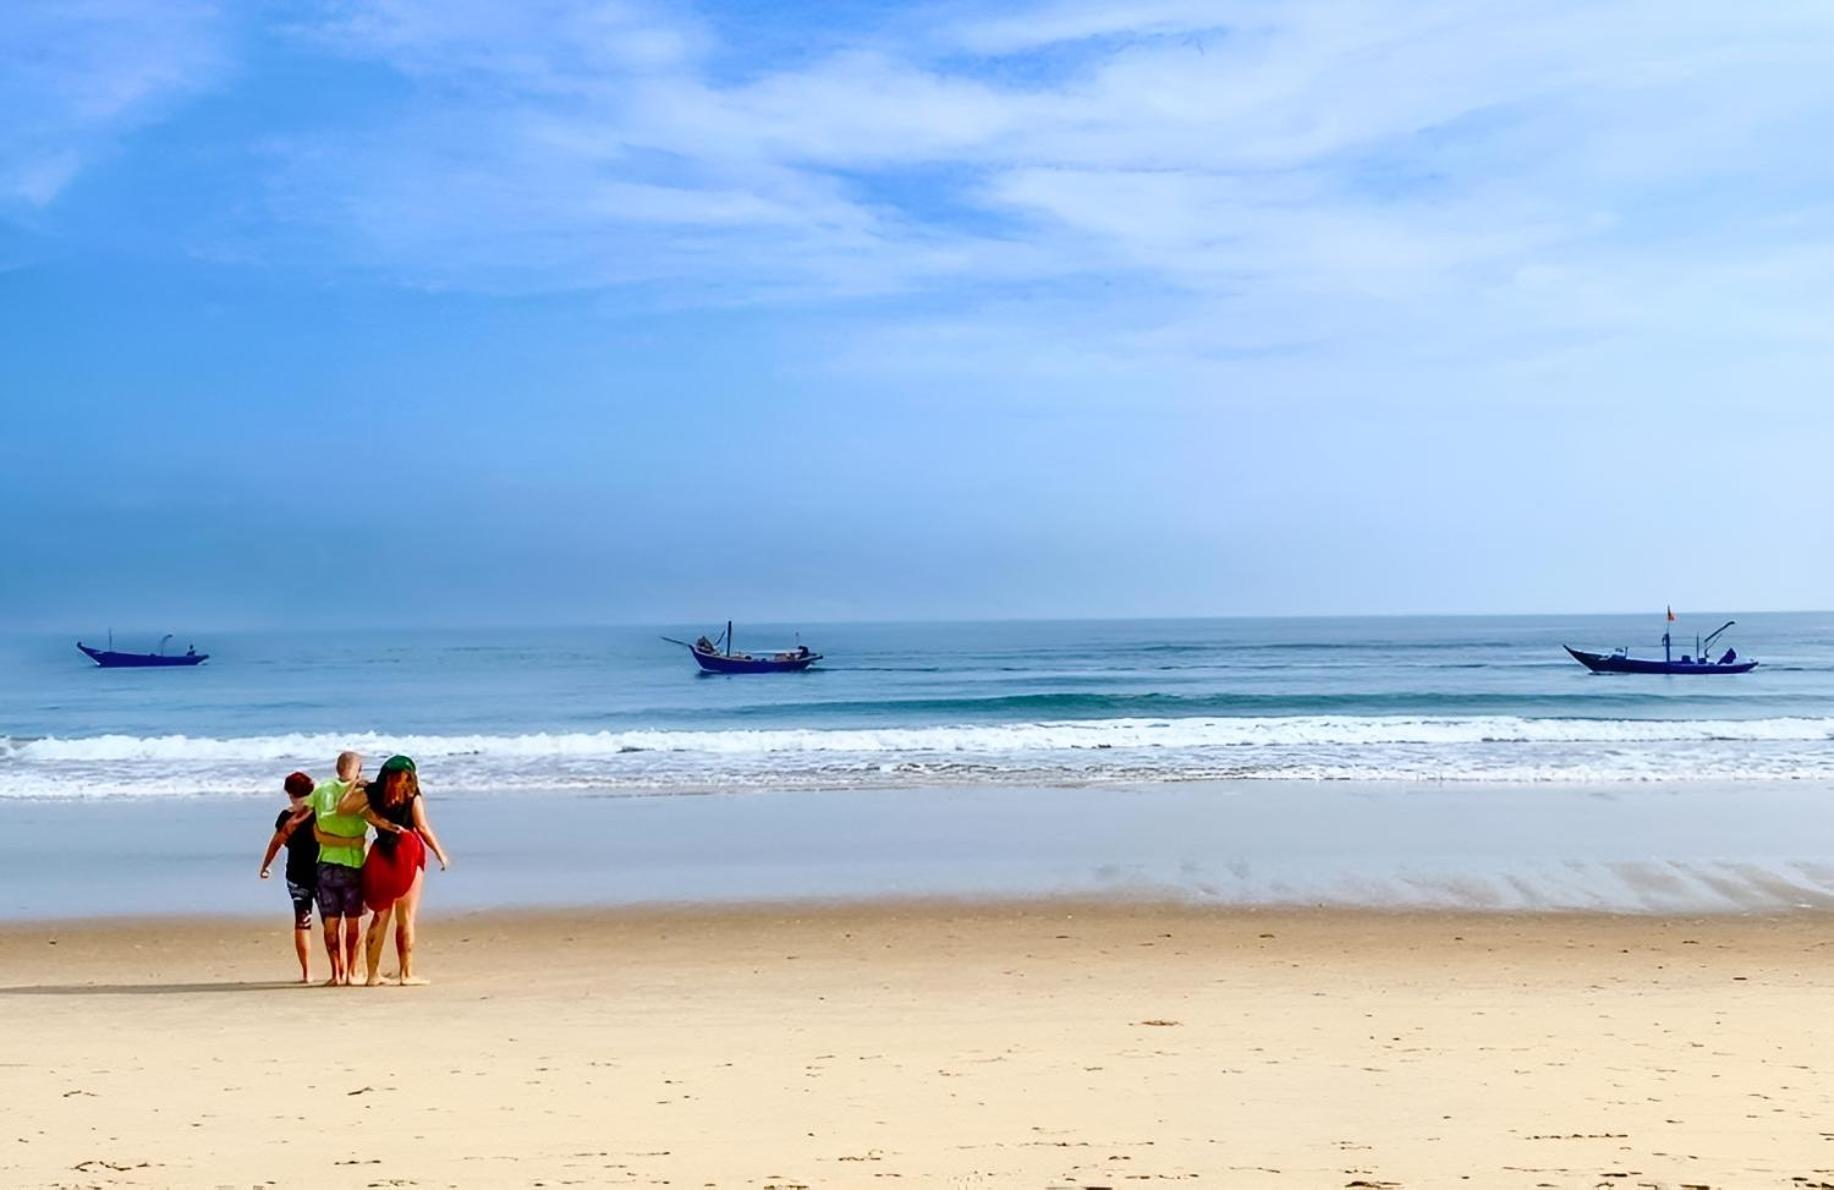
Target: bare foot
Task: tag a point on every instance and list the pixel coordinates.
(414, 981)
(374, 981)
(330, 983)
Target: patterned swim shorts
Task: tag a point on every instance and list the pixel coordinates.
(340, 891)
(302, 905)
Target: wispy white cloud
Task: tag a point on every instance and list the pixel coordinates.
(1305, 172)
(1216, 190)
(76, 75)
(557, 46)
(1041, 26)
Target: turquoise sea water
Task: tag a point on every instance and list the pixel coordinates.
(616, 710)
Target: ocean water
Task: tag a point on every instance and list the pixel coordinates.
(615, 711)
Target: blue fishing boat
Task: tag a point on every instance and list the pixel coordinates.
(1700, 661)
(110, 659)
(717, 657)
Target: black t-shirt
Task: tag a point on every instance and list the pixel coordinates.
(401, 814)
(302, 849)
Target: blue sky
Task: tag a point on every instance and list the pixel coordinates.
(438, 311)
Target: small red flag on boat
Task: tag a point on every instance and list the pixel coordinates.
(1671, 613)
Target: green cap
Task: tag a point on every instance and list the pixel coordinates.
(398, 764)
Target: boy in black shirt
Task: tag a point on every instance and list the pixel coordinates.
(294, 829)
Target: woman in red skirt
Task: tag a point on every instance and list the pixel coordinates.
(394, 868)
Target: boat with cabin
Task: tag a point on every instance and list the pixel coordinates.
(1700, 661)
(717, 656)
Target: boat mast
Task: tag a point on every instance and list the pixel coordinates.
(729, 638)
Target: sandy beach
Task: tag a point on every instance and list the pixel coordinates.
(1040, 1044)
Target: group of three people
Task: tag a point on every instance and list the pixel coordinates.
(329, 863)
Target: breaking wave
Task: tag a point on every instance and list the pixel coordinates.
(1476, 748)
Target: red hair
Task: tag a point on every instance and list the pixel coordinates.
(399, 785)
(298, 785)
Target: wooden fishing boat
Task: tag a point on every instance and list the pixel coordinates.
(110, 659)
(718, 657)
(1698, 662)
(1618, 663)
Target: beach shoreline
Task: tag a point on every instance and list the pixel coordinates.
(1059, 1042)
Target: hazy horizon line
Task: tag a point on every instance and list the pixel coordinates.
(900, 621)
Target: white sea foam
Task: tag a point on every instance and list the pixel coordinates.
(1476, 748)
(1004, 738)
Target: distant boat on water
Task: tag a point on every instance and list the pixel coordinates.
(718, 657)
(110, 659)
(1698, 662)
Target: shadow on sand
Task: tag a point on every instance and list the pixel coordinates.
(150, 989)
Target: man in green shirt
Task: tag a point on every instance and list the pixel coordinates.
(338, 806)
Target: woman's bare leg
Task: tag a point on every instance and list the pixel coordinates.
(302, 946)
(406, 909)
(372, 945)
